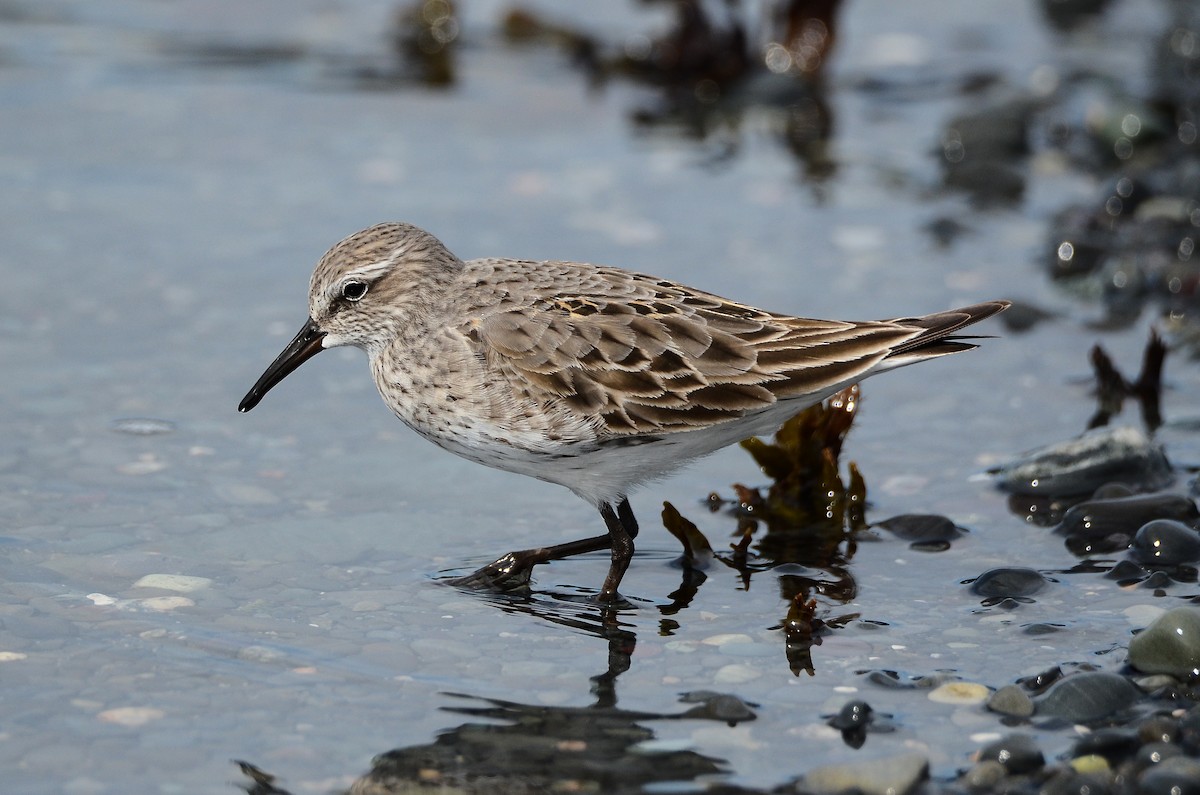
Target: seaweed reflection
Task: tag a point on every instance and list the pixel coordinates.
(810, 515)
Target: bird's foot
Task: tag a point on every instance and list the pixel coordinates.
(507, 573)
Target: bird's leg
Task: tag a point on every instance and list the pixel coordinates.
(515, 568)
(622, 529)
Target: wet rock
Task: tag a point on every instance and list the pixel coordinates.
(1098, 518)
(1158, 581)
(718, 706)
(984, 776)
(855, 714)
(1114, 745)
(1154, 753)
(925, 532)
(1127, 572)
(891, 775)
(895, 680)
(852, 721)
(180, 583)
(1079, 466)
(1018, 753)
(1087, 696)
(1170, 645)
(1041, 681)
(1011, 700)
(1165, 542)
(1158, 729)
(1008, 583)
(1090, 764)
(1176, 776)
(1043, 628)
(1071, 782)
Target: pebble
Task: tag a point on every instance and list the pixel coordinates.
(1165, 542)
(1077, 466)
(1087, 696)
(1009, 582)
(984, 776)
(721, 640)
(181, 583)
(1071, 782)
(1175, 776)
(1170, 645)
(959, 693)
(1090, 764)
(165, 603)
(1113, 744)
(925, 532)
(891, 775)
(1012, 700)
(1017, 753)
(131, 716)
(1099, 518)
(1158, 729)
(717, 706)
(1155, 753)
(854, 715)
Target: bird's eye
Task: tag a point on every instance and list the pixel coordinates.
(354, 291)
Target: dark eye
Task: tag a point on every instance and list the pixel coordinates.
(354, 291)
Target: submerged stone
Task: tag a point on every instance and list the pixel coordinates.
(1009, 583)
(925, 532)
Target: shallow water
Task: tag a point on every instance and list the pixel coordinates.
(170, 174)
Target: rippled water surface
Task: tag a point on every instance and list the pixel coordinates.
(170, 173)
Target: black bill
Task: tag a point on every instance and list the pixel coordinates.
(303, 347)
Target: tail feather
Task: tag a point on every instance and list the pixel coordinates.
(939, 339)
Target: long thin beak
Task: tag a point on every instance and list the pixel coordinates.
(305, 345)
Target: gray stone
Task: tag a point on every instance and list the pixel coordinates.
(889, 775)
(1011, 700)
(1170, 645)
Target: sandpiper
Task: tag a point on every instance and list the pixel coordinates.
(596, 378)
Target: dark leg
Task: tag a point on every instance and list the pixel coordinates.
(515, 568)
(622, 528)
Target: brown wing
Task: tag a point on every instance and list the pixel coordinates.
(673, 359)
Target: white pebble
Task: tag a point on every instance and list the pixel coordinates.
(131, 716)
(959, 693)
(165, 603)
(721, 640)
(181, 583)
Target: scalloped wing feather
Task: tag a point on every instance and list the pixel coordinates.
(640, 355)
